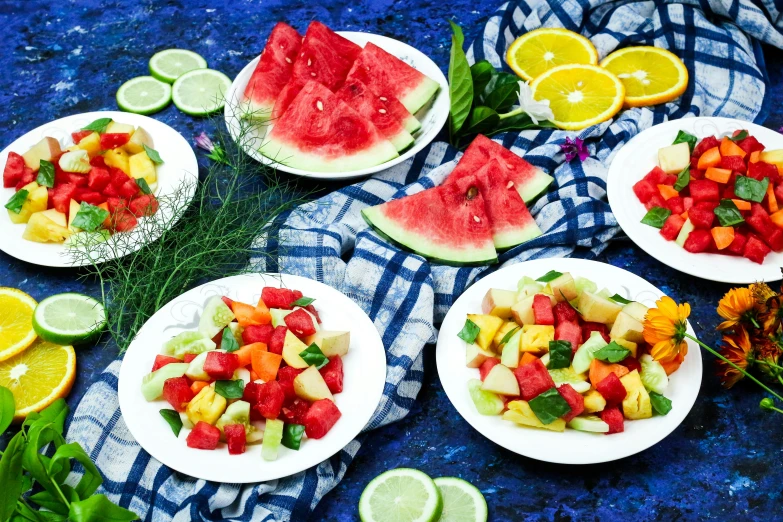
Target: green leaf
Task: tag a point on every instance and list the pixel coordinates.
(506, 338)
(612, 353)
(751, 189)
(145, 188)
(228, 342)
(549, 276)
(460, 83)
(292, 436)
(560, 354)
(303, 301)
(45, 176)
(89, 218)
(482, 73)
(42, 432)
(684, 137)
(661, 405)
(7, 408)
(656, 217)
(504, 93)
(469, 332)
(728, 214)
(173, 419)
(230, 389)
(16, 201)
(482, 120)
(91, 479)
(98, 125)
(152, 154)
(11, 475)
(313, 355)
(683, 178)
(549, 406)
(50, 502)
(741, 135)
(99, 508)
(56, 413)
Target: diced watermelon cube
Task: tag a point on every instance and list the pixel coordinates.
(124, 221)
(675, 205)
(277, 340)
(761, 170)
(735, 163)
(203, 436)
(589, 327)
(98, 179)
(696, 173)
(93, 198)
(118, 177)
(687, 203)
(671, 227)
(614, 418)
(755, 249)
(311, 308)
(177, 392)
(701, 217)
(645, 190)
(487, 366)
(737, 246)
(80, 180)
(116, 205)
(163, 360)
(775, 240)
(564, 313)
(278, 297)
(704, 145)
(286, 376)
(144, 205)
(575, 401)
(112, 140)
(252, 393)
(236, 438)
(28, 176)
(129, 189)
(632, 363)
(14, 169)
(300, 323)
(270, 399)
(61, 197)
(320, 418)
(97, 161)
(699, 240)
(533, 379)
(188, 357)
(655, 201)
(611, 389)
(80, 135)
(220, 365)
(258, 333)
(750, 144)
(655, 176)
(295, 411)
(542, 310)
(332, 373)
(704, 190)
(569, 331)
(110, 191)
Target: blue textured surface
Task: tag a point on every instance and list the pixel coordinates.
(723, 463)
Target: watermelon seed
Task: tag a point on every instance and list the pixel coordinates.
(510, 184)
(383, 98)
(472, 192)
(382, 111)
(287, 59)
(309, 62)
(320, 105)
(312, 74)
(477, 219)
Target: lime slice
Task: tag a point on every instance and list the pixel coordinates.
(200, 92)
(170, 64)
(69, 319)
(400, 495)
(462, 501)
(143, 95)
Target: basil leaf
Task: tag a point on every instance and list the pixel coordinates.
(741, 135)
(46, 174)
(549, 406)
(89, 217)
(683, 178)
(685, 137)
(230, 389)
(612, 353)
(98, 125)
(228, 342)
(656, 217)
(482, 73)
(750, 189)
(303, 301)
(99, 507)
(660, 404)
(292, 436)
(152, 154)
(460, 83)
(482, 120)
(728, 214)
(145, 188)
(11, 475)
(91, 480)
(17, 200)
(504, 93)
(469, 332)
(313, 356)
(506, 338)
(7, 408)
(620, 299)
(549, 276)
(174, 420)
(560, 354)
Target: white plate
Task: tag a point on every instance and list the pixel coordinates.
(638, 157)
(179, 168)
(571, 446)
(432, 116)
(364, 367)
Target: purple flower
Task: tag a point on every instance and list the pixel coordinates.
(780, 130)
(203, 142)
(216, 152)
(574, 149)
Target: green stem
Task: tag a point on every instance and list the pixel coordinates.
(767, 363)
(515, 112)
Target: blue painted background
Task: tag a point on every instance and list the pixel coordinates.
(723, 463)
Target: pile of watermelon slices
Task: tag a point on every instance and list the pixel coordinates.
(479, 209)
(333, 106)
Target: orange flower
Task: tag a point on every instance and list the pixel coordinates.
(737, 349)
(737, 305)
(664, 329)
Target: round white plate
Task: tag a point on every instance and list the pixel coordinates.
(179, 168)
(432, 116)
(571, 446)
(638, 157)
(364, 368)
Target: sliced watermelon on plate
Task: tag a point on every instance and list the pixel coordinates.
(321, 133)
(399, 111)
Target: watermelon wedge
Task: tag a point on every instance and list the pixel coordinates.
(529, 180)
(399, 111)
(387, 76)
(325, 57)
(369, 105)
(447, 223)
(272, 73)
(321, 133)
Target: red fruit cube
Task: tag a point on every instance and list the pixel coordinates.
(14, 170)
(61, 197)
(80, 135)
(675, 205)
(569, 331)
(320, 418)
(116, 205)
(696, 173)
(755, 249)
(533, 379)
(575, 401)
(118, 177)
(251, 393)
(278, 297)
(98, 161)
(699, 240)
(332, 373)
(294, 413)
(80, 180)
(737, 247)
(270, 399)
(735, 163)
(750, 144)
(645, 190)
(188, 357)
(704, 190)
(656, 176)
(277, 340)
(110, 191)
(235, 438)
(704, 145)
(123, 221)
(228, 301)
(761, 170)
(311, 308)
(701, 217)
(300, 323)
(145, 205)
(93, 198)
(113, 140)
(671, 228)
(177, 392)
(487, 366)
(129, 189)
(611, 389)
(260, 333)
(655, 201)
(542, 310)
(163, 360)
(98, 179)
(28, 176)
(286, 376)
(632, 364)
(589, 327)
(614, 418)
(220, 365)
(203, 436)
(687, 203)
(564, 313)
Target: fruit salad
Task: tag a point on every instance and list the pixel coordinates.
(717, 195)
(557, 353)
(102, 183)
(264, 373)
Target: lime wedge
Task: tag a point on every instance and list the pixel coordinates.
(170, 64)
(143, 95)
(462, 501)
(68, 319)
(200, 92)
(400, 495)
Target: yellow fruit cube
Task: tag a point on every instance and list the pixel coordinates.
(636, 404)
(138, 140)
(536, 338)
(91, 143)
(117, 158)
(488, 327)
(206, 406)
(505, 329)
(116, 127)
(141, 166)
(594, 401)
(36, 201)
(521, 413)
(41, 229)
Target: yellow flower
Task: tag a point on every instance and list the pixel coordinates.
(736, 305)
(737, 349)
(664, 329)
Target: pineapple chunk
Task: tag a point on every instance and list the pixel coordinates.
(138, 140)
(507, 327)
(116, 127)
(594, 401)
(141, 166)
(536, 338)
(41, 228)
(636, 404)
(521, 413)
(37, 199)
(674, 158)
(91, 143)
(56, 216)
(46, 149)
(117, 158)
(206, 406)
(499, 302)
(488, 327)
(627, 344)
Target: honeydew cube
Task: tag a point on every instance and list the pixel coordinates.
(597, 309)
(636, 310)
(498, 302)
(536, 338)
(330, 342)
(674, 158)
(685, 231)
(564, 288)
(46, 149)
(502, 381)
(636, 404)
(475, 356)
(488, 327)
(627, 327)
(520, 412)
(523, 310)
(510, 355)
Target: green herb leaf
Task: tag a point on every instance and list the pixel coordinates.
(40, 433)
(469, 332)
(560, 354)
(89, 218)
(741, 135)
(152, 154)
(460, 83)
(685, 137)
(728, 214)
(227, 341)
(303, 301)
(98, 125)
(549, 406)
(56, 413)
(174, 420)
(145, 188)
(230, 389)
(482, 73)
(660, 404)
(292, 436)
(549, 276)
(7, 408)
(17, 200)
(750, 189)
(313, 356)
(45, 176)
(683, 178)
(506, 338)
(50, 502)
(91, 480)
(504, 93)
(620, 299)
(99, 508)
(656, 217)
(482, 120)
(612, 353)
(11, 475)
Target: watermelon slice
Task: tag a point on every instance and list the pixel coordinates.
(272, 72)
(387, 75)
(368, 104)
(529, 180)
(446, 223)
(399, 111)
(321, 133)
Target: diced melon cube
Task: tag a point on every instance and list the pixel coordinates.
(116, 127)
(138, 140)
(674, 158)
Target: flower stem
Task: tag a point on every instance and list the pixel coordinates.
(515, 112)
(766, 363)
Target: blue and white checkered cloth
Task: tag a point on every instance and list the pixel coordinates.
(405, 295)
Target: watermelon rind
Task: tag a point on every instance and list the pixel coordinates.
(535, 185)
(401, 141)
(411, 124)
(512, 238)
(291, 156)
(421, 95)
